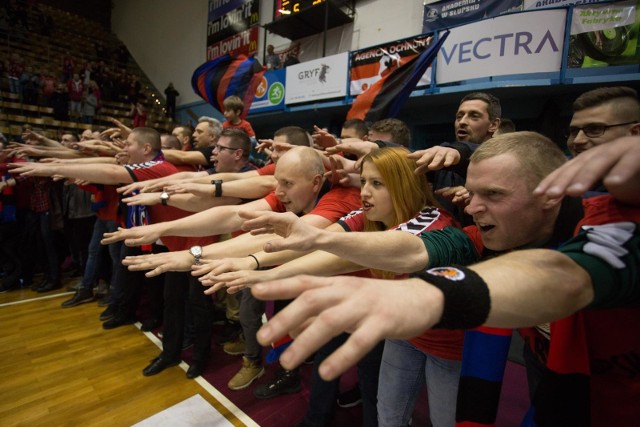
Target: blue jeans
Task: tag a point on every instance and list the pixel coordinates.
(404, 370)
(90, 275)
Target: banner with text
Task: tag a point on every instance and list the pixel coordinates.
(449, 13)
(604, 35)
(371, 64)
(543, 4)
(233, 22)
(245, 43)
(270, 92)
(521, 43)
(322, 78)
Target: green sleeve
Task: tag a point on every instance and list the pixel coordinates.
(610, 254)
(449, 246)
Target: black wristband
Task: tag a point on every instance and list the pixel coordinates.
(467, 302)
(218, 184)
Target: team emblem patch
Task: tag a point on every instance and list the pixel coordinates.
(450, 273)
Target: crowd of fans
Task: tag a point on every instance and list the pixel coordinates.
(178, 194)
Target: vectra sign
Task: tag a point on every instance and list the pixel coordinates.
(515, 44)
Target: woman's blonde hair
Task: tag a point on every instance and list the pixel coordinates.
(409, 192)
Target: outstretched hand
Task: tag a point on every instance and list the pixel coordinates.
(298, 235)
(434, 158)
(370, 309)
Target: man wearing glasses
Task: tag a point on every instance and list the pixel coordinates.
(602, 115)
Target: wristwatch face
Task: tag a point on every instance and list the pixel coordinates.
(164, 195)
(196, 251)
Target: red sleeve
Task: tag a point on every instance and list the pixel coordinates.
(354, 221)
(337, 202)
(269, 169)
(274, 202)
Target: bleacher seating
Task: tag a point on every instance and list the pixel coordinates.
(75, 37)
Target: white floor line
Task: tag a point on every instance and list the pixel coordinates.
(214, 392)
(6, 304)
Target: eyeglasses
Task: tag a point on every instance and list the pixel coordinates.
(594, 130)
(222, 147)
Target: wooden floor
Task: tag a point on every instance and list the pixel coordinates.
(59, 367)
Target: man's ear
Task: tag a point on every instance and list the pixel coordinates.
(550, 203)
(495, 124)
(635, 129)
(317, 182)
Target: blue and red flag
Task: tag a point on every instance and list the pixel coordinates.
(385, 98)
(225, 76)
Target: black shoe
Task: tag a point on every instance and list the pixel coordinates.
(350, 398)
(49, 286)
(81, 296)
(285, 382)
(158, 365)
(231, 331)
(108, 313)
(150, 324)
(196, 369)
(118, 321)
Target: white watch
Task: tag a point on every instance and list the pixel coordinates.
(196, 252)
(164, 198)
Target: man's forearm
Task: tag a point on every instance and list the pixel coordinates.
(99, 174)
(250, 188)
(191, 203)
(214, 221)
(535, 286)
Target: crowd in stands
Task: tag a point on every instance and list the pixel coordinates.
(172, 204)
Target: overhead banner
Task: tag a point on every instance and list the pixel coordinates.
(543, 4)
(450, 13)
(232, 27)
(371, 64)
(245, 43)
(322, 78)
(270, 92)
(529, 42)
(604, 35)
(233, 22)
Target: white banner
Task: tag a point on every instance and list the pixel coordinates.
(522, 43)
(322, 78)
(603, 17)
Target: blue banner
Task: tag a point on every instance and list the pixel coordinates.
(270, 92)
(450, 13)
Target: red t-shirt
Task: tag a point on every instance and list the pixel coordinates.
(243, 125)
(269, 169)
(332, 205)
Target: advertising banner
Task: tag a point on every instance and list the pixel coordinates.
(270, 92)
(529, 42)
(245, 43)
(233, 22)
(322, 78)
(371, 64)
(542, 4)
(450, 13)
(603, 35)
